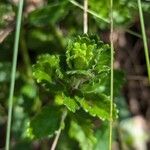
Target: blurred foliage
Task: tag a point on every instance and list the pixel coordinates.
(6, 14)
(72, 73)
(45, 16)
(124, 11)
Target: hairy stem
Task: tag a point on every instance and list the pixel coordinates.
(112, 75)
(85, 17)
(144, 38)
(13, 73)
(59, 130)
(89, 11)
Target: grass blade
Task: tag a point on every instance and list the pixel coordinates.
(112, 76)
(144, 38)
(13, 73)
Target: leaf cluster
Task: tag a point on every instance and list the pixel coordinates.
(77, 81)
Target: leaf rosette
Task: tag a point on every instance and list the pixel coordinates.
(79, 81)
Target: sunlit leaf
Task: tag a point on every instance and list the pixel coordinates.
(47, 68)
(97, 106)
(70, 103)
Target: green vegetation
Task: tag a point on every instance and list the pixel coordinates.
(65, 86)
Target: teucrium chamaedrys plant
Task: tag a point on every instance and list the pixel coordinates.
(77, 81)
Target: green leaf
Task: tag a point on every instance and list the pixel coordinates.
(97, 84)
(46, 15)
(102, 136)
(119, 80)
(70, 103)
(102, 59)
(45, 123)
(87, 54)
(41, 75)
(101, 83)
(80, 52)
(83, 134)
(47, 68)
(97, 105)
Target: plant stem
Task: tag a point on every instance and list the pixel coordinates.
(13, 73)
(26, 58)
(58, 36)
(85, 17)
(89, 11)
(112, 75)
(59, 130)
(133, 33)
(144, 38)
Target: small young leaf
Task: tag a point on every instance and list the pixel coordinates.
(47, 68)
(70, 103)
(80, 52)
